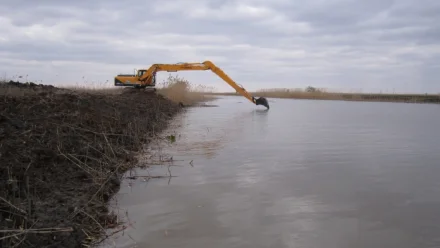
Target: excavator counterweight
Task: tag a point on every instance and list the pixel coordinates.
(146, 78)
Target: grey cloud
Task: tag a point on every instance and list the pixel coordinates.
(364, 44)
(333, 14)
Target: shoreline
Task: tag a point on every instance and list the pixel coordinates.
(62, 155)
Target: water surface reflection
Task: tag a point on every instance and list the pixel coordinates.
(303, 174)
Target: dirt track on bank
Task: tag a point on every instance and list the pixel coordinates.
(62, 153)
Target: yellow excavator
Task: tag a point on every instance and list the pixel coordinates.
(146, 78)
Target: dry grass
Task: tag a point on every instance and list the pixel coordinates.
(105, 88)
(322, 94)
(175, 89)
(180, 90)
(61, 158)
(296, 93)
(10, 88)
(92, 90)
(67, 148)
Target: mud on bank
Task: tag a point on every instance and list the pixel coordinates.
(61, 156)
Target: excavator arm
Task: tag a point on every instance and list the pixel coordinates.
(206, 65)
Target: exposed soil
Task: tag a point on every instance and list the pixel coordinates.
(62, 154)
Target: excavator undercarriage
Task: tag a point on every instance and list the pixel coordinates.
(146, 78)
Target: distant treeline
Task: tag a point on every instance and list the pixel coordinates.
(320, 94)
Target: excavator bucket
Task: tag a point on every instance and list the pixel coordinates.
(262, 101)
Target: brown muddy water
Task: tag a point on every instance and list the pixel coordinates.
(305, 173)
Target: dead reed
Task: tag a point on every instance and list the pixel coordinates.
(182, 91)
(322, 94)
(62, 157)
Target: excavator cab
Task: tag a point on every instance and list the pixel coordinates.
(140, 73)
(133, 80)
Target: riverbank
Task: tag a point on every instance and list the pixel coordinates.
(62, 154)
(367, 97)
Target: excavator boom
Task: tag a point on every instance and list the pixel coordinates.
(147, 77)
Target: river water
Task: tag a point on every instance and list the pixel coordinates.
(306, 173)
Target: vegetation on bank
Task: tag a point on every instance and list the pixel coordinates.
(180, 90)
(176, 89)
(63, 153)
(321, 94)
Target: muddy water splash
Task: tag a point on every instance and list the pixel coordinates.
(303, 174)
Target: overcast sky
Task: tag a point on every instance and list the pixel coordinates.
(368, 45)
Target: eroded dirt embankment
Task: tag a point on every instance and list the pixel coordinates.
(61, 155)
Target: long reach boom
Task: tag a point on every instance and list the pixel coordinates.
(147, 77)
